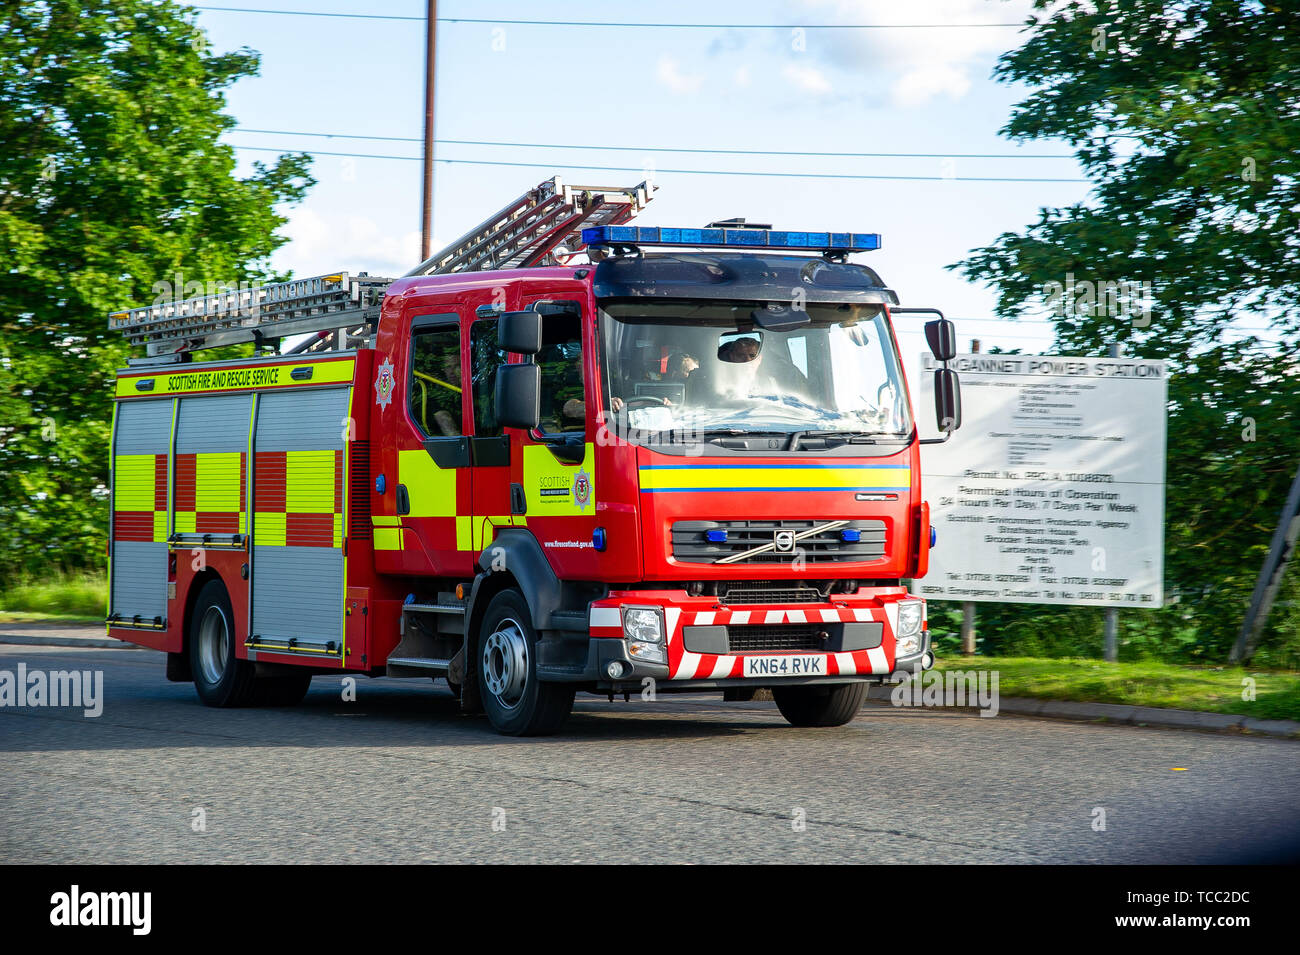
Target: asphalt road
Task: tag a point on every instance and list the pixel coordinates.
(400, 776)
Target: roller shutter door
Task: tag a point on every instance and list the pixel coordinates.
(141, 437)
(298, 571)
(211, 466)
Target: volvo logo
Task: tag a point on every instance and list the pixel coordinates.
(783, 542)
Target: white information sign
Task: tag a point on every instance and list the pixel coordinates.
(1053, 489)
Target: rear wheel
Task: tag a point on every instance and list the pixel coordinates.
(516, 702)
(820, 705)
(219, 677)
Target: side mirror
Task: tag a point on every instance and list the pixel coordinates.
(947, 400)
(941, 334)
(518, 395)
(520, 332)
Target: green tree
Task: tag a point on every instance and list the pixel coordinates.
(112, 180)
(1186, 118)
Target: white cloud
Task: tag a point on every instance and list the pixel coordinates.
(319, 244)
(808, 78)
(669, 74)
(741, 76)
(920, 86)
(916, 65)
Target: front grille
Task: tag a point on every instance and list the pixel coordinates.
(691, 545)
(799, 595)
(763, 638)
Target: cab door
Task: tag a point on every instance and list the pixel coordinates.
(558, 474)
(433, 456)
(496, 502)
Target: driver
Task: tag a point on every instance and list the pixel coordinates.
(678, 367)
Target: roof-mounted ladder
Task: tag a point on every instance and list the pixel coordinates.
(343, 309)
(529, 231)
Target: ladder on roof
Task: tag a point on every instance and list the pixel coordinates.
(329, 305)
(543, 222)
(342, 309)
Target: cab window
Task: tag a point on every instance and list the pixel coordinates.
(485, 356)
(560, 360)
(434, 388)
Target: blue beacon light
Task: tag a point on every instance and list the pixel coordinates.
(733, 238)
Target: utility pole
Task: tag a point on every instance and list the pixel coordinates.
(430, 60)
(1110, 652)
(1280, 552)
(968, 606)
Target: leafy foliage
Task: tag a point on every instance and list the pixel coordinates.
(1186, 117)
(112, 179)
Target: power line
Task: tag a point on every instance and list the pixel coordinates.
(623, 24)
(662, 149)
(684, 172)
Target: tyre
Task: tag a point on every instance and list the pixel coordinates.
(820, 705)
(219, 677)
(285, 690)
(516, 702)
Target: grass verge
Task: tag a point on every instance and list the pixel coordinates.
(58, 598)
(1210, 689)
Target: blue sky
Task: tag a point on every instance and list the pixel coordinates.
(878, 90)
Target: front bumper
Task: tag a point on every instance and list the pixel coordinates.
(708, 645)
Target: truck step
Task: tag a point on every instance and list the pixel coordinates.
(417, 666)
(433, 608)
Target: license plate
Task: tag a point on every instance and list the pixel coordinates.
(784, 665)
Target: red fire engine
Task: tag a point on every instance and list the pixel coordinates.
(563, 454)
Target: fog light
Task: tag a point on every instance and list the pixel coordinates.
(616, 668)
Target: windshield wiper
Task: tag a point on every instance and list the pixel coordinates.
(850, 437)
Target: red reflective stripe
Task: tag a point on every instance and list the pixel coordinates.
(216, 522)
(133, 526)
(160, 482)
(186, 481)
(309, 530)
(269, 476)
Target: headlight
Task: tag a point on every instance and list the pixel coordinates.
(643, 629)
(908, 635)
(909, 617)
(643, 625)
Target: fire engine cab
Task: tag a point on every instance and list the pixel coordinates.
(564, 454)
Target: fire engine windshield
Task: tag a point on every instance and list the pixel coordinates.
(751, 367)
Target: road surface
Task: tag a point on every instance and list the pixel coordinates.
(398, 775)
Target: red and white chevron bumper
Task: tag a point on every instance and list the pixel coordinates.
(683, 664)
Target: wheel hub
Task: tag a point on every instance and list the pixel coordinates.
(505, 663)
(214, 645)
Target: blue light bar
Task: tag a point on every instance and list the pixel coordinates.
(850, 535)
(716, 536)
(732, 238)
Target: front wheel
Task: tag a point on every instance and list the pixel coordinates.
(820, 705)
(516, 702)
